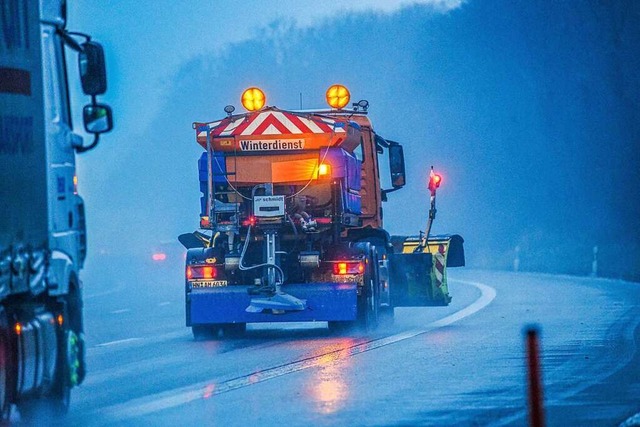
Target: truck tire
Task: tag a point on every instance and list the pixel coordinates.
(368, 301)
(59, 397)
(56, 401)
(387, 316)
(205, 332)
(234, 330)
(339, 327)
(5, 369)
(70, 365)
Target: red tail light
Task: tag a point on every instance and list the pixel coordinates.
(348, 267)
(251, 221)
(204, 222)
(195, 272)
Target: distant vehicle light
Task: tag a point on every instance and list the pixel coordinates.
(338, 96)
(253, 99)
(159, 256)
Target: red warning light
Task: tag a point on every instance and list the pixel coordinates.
(434, 181)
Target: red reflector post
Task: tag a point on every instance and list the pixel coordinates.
(536, 409)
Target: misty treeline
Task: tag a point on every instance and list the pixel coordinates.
(529, 110)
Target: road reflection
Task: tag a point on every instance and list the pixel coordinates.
(328, 387)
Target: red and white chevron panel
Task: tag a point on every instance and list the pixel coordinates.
(273, 122)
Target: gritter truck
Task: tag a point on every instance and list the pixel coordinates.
(291, 226)
(43, 239)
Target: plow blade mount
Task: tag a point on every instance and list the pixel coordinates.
(418, 275)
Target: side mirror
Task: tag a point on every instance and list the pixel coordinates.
(93, 73)
(396, 165)
(97, 118)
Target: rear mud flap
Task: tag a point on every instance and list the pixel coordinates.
(455, 254)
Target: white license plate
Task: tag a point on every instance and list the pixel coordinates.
(356, 278)
(209, 284)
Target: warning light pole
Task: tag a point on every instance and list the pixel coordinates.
(434, 182)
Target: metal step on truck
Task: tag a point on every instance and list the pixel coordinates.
(291, 223)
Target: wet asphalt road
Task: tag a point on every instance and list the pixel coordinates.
(460, 365)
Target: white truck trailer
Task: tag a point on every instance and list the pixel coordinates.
(42, 223)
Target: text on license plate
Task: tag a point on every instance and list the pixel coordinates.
(209, 284)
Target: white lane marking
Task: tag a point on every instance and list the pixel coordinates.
(117, 289)
(488, 295)
(110, 343)
(170, 399)
(122, 310)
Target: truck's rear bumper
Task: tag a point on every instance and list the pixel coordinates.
(324, 302)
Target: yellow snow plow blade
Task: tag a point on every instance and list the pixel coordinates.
(418, 274)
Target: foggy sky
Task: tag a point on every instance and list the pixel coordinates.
(529, 110)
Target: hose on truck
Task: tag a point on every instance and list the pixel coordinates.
(253, 267)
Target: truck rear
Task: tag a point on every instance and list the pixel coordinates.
(291, 223)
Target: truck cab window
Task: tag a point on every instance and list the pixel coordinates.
(359, 151)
